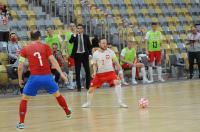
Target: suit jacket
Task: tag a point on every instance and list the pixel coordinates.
(87, 44)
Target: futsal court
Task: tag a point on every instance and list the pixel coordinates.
(174, 107)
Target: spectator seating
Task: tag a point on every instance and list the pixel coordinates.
(24, 19)
(7, 80)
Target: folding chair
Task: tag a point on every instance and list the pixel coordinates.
(177, 66)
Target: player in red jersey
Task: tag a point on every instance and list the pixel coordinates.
(39, 55)
(103, 60)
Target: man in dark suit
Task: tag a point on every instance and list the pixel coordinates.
(81, 52)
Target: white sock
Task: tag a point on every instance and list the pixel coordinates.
(151, 73)
(133, 73)
(118, 91)
(144, 74)
(122, 77)
(70, 77)
(89, 98)
(159, 69)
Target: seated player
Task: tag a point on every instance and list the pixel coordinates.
(103, 60)
(58, 56)
(39, 55)
(129, 60)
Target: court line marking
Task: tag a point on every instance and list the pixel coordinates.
(73, 93)
(16, 100)
(70, 94)
(93, 106)
(67, 95)
(99, 90)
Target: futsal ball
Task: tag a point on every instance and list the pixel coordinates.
(143, 103)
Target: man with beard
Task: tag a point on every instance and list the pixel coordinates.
(103, 60)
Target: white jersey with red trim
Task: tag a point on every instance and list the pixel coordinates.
(104, 60)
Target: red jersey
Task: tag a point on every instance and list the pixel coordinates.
(38, 58)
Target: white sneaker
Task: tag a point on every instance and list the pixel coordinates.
(122, 105)
(151, 81)
(85, 105)
(20, 126)
(69, 115)
(134, 82)
(125, 83)
(146, 81)
(70, 87)
(161, 80)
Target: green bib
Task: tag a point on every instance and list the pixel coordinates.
(51, 40)
(69, 45)
(130, 54)
(154, 41)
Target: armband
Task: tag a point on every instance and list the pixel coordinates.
(21, 59)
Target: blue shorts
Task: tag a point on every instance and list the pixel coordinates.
(37, 82)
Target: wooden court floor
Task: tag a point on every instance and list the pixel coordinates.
(174, 107)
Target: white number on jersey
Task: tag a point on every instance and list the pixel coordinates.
(104, 60)
(37, 54)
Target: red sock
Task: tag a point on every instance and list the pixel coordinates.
(22, 110)
(63, 104)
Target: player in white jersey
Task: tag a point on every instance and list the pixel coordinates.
(103, 60)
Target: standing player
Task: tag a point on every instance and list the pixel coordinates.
(153, 41)
(71, 64)
(53, 38)
(103, 60)
(39, 55)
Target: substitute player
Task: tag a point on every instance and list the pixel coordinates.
(71, 63)
(52, 37)
(153, 41)
(129, 60)
(103, 60)
(39, 55)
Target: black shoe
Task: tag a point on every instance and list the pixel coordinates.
(191, 76)
(79, 90)
(199, 76)
(21, 90)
